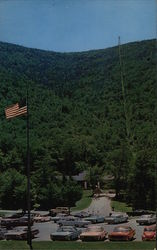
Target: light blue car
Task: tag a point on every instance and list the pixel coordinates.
(95, 219)
(72, 221)
(65, 233)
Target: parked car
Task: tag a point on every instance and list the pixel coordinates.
(20, 233)
(39, 218)
(3, 231)
(65, 233)
(73, 221)
(122, 233)
(147, 219)
(93, 233)
(55, 211)
(82, 214)
(149, 233)
(14, 222)
(59, 217)
(14, 215)
(138, 212)
(95, 219)
(115, 218)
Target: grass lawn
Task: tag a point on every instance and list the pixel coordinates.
(13, 245)
(120, 206)
(16, 245)
(84, 202)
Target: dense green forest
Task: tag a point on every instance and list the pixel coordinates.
(81, 118)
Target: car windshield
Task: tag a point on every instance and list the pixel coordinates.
(149, 229)
(95, 229)
(121, 229)
(116, 215)
(65, 229)
(146, 216)
(60, 215)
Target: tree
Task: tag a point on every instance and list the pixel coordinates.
(94, 175)
(141, 181)
(13, 190)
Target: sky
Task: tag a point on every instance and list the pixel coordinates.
(76, 25)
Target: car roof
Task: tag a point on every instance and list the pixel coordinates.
(151, 226)
(67, 227)
(122, 227)
(94, 226)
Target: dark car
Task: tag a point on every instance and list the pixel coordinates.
(138, 212)
(14, 216)
(14, 222)
(3, 231)
(65, 233)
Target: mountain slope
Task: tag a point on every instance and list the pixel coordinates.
(77, 117)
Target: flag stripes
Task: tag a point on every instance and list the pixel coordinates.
(14, 110)
(11, 110)
(22, 111)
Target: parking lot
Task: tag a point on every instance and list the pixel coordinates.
(46, 228)
(99, 206)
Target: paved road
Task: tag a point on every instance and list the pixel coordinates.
(100, 206)
(45, 229)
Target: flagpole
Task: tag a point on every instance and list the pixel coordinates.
(29, 238)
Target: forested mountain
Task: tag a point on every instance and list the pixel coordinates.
(79, 119)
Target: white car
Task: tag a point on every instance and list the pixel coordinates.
(115, 218)
(147, 219)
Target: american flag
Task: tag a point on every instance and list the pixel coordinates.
(14, 110)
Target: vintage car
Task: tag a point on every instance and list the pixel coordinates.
(138, 212)
(82, 214)
(2, 233)
(115, 218)
(122, 233)
(59, 217)
(40, 218)
(73, 221)
(149, 233)
(93, 233)
(55, 211)
(20, 233)
(65, 233)
(147, 219)
(14, 222)
(95, 219)
(14, 215)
